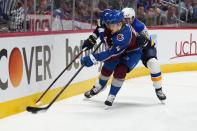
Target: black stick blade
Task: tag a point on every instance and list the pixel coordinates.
(35, 109)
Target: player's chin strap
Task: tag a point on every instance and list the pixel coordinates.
(36, 109)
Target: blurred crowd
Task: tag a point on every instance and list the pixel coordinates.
(167, 12)
(151, 12)
(13, 13)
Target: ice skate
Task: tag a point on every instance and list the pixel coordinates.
(94, 91)
(161, 96)
(109, 101)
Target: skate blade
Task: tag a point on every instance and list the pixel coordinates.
(107, 107)
(162, 102)
(86, 99)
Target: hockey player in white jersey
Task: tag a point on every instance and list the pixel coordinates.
(149, 52)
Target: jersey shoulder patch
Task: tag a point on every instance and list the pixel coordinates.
(120, 37)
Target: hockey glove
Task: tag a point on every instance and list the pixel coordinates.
(89, 43)
(142, 40)
(88, 60)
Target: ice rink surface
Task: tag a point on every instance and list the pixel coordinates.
(136, 108)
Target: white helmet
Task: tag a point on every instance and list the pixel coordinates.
(128, 12)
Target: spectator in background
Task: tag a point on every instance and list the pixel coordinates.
(116, 4)
(2, 19)
(57, 21)
(186, 9)
(66, 9)
(30, 9)
(17, 17)
(152, 2)
(83, 12)
(150, 16)
(129, 3)
(141, 15)
(145, 3)
(164, 5)
(194, 16)
(171, 15)
(161, 17)
(43, 7)
(96, 16)
(102, 4)
(170, 1)
(7, 6)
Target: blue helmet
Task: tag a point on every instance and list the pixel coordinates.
(103, 14)
(113, 17)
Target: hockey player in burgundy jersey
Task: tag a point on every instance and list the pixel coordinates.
(121, 55)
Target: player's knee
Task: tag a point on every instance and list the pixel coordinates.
(120, 72)
(153, 65)
(106, 72)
